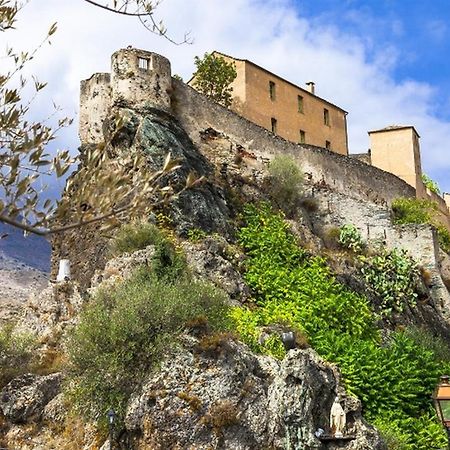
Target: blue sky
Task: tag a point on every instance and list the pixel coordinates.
(383, 61)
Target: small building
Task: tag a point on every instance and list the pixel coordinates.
(289, 111)
(396, 149)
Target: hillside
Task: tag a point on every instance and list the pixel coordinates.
(176, 322)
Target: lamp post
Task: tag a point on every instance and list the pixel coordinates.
(111, 419)
(442, 403)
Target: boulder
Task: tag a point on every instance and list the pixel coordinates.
(25, 397)
(222, 396)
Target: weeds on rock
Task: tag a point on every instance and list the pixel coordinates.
(221, 415)
(16, 353)
(124, 333)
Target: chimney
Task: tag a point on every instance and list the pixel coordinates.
(311, 87)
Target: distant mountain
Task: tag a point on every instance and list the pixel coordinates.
(33, 251)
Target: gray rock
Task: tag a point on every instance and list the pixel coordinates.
(26, 396)
(229, 398)
(209, 260)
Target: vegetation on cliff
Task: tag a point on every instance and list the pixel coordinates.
(125, 329)
(413, 210)
(394, 376)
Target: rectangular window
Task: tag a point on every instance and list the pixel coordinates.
(302, 137)
(272, 90)
(328, 145)
(143, 63)
(300, 103)
(326, 117)
(274, 125)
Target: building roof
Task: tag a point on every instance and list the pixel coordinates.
(276, 76)
(394, 128)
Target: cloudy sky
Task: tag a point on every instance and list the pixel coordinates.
(384, 61)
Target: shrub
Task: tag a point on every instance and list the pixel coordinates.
(196, 234)
(167, 262)
(285, 182)
(123, 333)
(292, 288)
(430, 184)
(135, 236)
(350, 238)
(221, 415)
(393, 276)
(16, 353)
(413, 210)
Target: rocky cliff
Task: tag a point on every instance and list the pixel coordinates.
(209, 389)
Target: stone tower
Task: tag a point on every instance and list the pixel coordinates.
(138, 79)
(396, 149)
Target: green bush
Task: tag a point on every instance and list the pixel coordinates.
(430, 184)
(135, 236)
(413, 210)
(395, 376)
(16, 353)
(423, 433)
(124, 332)
(393, 276)
(350, 238)
(285, 182)
(167, 262)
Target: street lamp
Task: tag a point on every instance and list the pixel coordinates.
(111, 419)
(288, 339)
(442, 403)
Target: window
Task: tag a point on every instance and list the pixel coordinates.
(300, 103)
(326, 117)
(143, 63)
(302, 137)
(272, 90)
(328, 145)
(274, 125)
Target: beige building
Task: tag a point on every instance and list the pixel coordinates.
(294, 113)
(396, 149)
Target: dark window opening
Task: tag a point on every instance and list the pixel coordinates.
(328, 145)
(302, 137)
(326, 117)
(272, 90)
(300, 103)
(274, 125)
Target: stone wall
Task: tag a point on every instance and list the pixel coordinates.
(347, 175)
(140, 78)
(95, 100)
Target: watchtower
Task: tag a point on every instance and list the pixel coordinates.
(140, 78)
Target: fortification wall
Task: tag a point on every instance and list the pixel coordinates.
(352, 177)
(95, 101)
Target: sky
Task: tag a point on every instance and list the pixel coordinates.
(383, 61)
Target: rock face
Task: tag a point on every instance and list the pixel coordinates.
(222, 396)
(210, 260)
(25, 397)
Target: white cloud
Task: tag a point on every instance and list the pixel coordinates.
(269, 33)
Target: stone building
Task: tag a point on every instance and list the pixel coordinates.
(294, 113)
(138, 79)
(396, 149)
